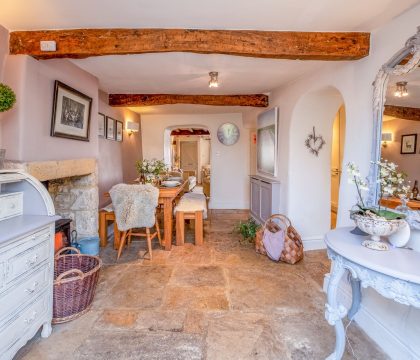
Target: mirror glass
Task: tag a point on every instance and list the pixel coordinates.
(401, 129)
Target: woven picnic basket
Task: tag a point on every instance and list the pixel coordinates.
(293, 246)
(75, 279)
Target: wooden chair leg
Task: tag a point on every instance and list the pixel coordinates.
(158, 231)
(117, 236)
(103, 235)
(149, 243)
(129, 237)
(199, 228)
(121, 245)
(180, 230)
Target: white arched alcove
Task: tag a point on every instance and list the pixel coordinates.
(309, 177)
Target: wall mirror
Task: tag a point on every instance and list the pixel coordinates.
(396, 106)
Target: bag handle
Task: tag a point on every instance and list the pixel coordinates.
(79, 273)
(283, 218)
(59, 252)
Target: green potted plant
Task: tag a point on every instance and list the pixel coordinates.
(248, 229)
(7, 98)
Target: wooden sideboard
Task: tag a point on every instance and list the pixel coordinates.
(26, 262)
(265, 198)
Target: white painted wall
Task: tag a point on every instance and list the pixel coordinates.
(395, 327)
(230, 164)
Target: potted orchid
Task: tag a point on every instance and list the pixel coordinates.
(150, 170)
(376, 220)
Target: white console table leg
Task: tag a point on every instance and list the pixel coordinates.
(356, 297)
(334, 312)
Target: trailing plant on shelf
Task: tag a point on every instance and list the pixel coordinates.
(248, 229)
(391, 183)
(7, 98)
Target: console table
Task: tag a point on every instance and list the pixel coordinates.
(395, 274)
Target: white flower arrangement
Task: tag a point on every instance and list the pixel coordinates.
(391, 183)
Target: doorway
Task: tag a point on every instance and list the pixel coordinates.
(189, 155)
(337, 151)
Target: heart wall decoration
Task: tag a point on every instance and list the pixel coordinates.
(314, 142)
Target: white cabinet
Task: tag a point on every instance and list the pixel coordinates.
(265, 198)
(26, 261)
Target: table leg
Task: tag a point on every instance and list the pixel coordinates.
(167, 223)
(335, 312)
(103, 234)
(356, 297)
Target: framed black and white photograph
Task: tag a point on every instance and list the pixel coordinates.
(408, 144)
(71, 113)
(110, 128)
(101, 125)
(120, 127)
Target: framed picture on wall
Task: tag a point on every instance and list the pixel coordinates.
(408, 144)
(101, 125)
(71, 113)
(110, 128)
(119, 136)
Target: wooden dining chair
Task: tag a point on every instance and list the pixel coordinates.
(135, 209)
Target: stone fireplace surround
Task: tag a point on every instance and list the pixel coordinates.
(73, 186)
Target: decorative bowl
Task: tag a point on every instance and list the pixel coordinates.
(376, 228)
(170, 183)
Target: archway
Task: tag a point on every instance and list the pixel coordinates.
(309, 177)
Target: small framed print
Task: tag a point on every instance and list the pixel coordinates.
(119, 135)
(101, 125)
(110, 128)
(409, 144)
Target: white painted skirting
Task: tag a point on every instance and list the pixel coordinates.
(313, 242)
(374, 328)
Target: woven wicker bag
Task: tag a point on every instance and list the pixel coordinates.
(293, 246)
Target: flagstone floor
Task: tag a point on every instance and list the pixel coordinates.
(218, 301)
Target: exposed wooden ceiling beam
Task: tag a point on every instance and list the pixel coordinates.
(257, 100)
(401, 112)
(82, 43)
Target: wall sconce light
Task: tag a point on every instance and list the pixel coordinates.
(132, 127)
(401, 89)
(214, 81)
(386, 137)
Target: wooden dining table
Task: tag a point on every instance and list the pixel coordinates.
(167, 195)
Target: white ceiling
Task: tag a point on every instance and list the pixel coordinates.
(298, 15)
(188, 73)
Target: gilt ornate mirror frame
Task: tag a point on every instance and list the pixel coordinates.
(411, 51)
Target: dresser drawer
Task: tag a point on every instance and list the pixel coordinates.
(29, 258)
(11, 204)
(24, 291)
(31, 316)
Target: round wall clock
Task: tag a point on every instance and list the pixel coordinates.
(228, 134)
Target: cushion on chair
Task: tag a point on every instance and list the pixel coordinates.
(191, 202)
(134, 205)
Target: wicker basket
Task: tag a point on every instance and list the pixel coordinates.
(293, 246)
(75, 280)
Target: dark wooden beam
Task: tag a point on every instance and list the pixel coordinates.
(82, 43)
(401, 112)
(257, 100)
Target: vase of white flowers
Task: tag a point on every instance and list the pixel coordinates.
(378, 221)
(150, 170)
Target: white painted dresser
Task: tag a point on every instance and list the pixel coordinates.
(26, 260)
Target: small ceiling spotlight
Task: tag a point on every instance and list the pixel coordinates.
(214, 82)
(401, 89)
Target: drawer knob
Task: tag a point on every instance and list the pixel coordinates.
(31, 319)
(32, 262)
(31, 290)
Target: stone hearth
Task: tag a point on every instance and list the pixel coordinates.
(73, 186)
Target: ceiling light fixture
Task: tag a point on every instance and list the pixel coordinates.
(401, 89)
(214, 82)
